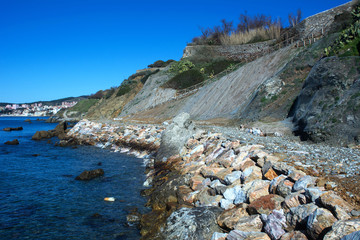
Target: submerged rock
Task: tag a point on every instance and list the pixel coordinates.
(8, 129)
(88, 175)
(13, 142)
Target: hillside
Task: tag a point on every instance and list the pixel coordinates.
(258, 84)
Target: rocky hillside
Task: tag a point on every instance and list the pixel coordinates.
(312, 82)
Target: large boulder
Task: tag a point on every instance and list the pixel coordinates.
(42, 134)
(175, 136)
(88, 175)
(343, 228)
(192, 223)
(327, 108)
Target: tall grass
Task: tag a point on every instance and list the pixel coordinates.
(251, 36)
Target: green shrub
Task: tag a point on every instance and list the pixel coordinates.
(123, 89)
(160, 63)
(181, 66)
(185, 79)
(145, 78)
(218, 66)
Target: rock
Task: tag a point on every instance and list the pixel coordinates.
(88, 175)
(298, 216)
(352, 236)
(256, 189)
(227, 204)
(274, 224)
(240, 235)
(232, 177)
(216, 183)
(60, 128)
(294, 200)
(336, 205)
(251, 174)
(133, 217)
(303, 183)
(220, 189)
(231, 193)
(204, 199)
(246, 164)
(196, 182)
(275, 182)
(342, 228)
(313, 194)
(295, 235)
(355, 213)
(282, 168)
(13, 142)
(330, 185)
(296, 175)
(27, 120)
(270, 174)
(226, 159)
(8, 129)
(284, 187)
(326, 85)
(265, 204)
(175, 136)
(219, 236)
(192, 223)
(318, 222)
(42, 134)
(249, 223)
(229, 218)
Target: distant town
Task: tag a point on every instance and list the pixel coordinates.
(34, 109)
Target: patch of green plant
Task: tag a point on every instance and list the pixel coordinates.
(355, 95)
(160, 63)
(185, 79)
(146, 77)
(263, 100)
(181, 66)
(348, 43)
(123, 89)
(217, 67)
(84, 105)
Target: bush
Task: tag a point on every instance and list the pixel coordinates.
(145, 78)
(98, 95)
(181, 66)
(123, 89)
(160, 63)
(185, 79)
(217, 67)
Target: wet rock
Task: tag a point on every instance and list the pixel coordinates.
(240, 235)
(251, 223)
(318, 222)
(27, 120)
(298, 215)
(274, 224)
(303, 183)
(192, 223)
(342, 228)
(336, 205)
(42, 134)
(229, 218)
(88, 175)
(134, 217)
(295, 235)
(8, 129)
(266, 204)
(13, 142)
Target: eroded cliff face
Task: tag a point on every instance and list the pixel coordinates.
(328, 106)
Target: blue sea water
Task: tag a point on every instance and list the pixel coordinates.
(39, 198)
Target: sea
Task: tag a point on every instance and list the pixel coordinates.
(40, 198)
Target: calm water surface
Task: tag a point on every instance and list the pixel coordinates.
(39, 198)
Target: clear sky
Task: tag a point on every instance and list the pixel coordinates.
(52, 49)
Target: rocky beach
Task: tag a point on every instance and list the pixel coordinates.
(227, 183)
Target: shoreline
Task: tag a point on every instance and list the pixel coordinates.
(199, 178)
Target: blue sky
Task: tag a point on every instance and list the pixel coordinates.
(52, 49)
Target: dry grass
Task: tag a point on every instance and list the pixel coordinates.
(255, 35)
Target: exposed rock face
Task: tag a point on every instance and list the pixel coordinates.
(13, 142)
(175, 136)
(192, 223)
(88, 175)
(328, 107)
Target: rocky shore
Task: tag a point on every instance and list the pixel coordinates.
(232, 184)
